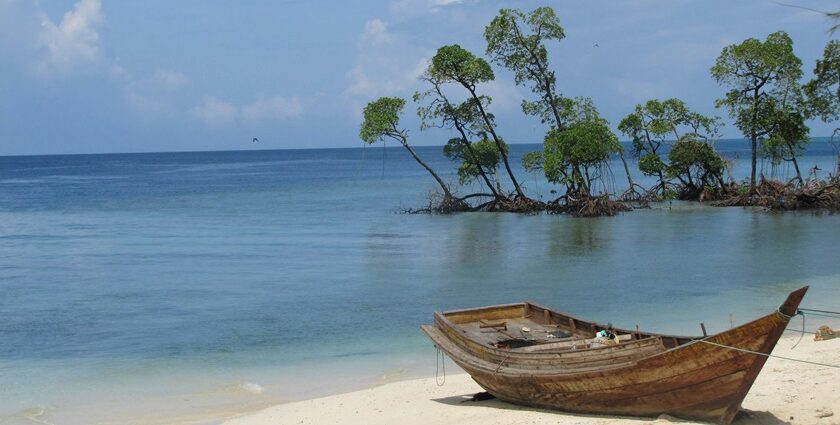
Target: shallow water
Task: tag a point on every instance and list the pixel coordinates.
(190, 286)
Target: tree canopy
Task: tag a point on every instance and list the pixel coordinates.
(763, 78)
(515, 40)
(823, 91)
(584, 145)
(381, 119)
(657, 123)
(476, 158)
(453, 63)
(696, 165)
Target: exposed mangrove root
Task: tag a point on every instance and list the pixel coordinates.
(704, 193)
(595, 206)
(636, 197)
(778, 196)
(441, 204)
(520, 204)
(635, 193)
(577, 206)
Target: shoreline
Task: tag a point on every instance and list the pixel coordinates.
(784, 392)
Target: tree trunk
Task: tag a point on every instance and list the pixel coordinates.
(754, 142)
(496, 140)
(837, 171)
(796, 167)
(719, 178)
(443, 186)
(542, 78)
(662, 184)
(626, 168)
(459, 126)
(477, 165)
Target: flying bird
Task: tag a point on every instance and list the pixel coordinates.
(255, 140)
(595, 45)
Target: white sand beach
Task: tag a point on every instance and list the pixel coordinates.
(786, 392)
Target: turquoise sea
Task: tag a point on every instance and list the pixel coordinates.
(186, 287)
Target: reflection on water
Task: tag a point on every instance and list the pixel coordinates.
(576, 238)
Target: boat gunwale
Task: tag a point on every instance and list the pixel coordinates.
(504, 352)
(443, 316)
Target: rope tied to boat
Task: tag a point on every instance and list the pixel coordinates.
(799, 312)
(500, 363)
(822, 313)
(744, 350)
(440, 363)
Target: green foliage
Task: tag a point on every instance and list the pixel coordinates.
(823, 91)
(381, 119)
(660, 122)
(483, 153)
(454, 63)
(763, 80)
(788, 140)
(669, 193)
(439, 112)
(582, 144)
(532, 161)
(652, 124)
(651, 164)
(695, 163)
(762, 77)
(515, 40)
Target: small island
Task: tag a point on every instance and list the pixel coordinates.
(670, 141)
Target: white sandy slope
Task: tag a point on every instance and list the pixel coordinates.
(785, 392)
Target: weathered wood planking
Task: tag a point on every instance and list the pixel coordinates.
(649, 375)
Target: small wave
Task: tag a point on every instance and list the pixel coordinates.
(85, 178)
(252, 387)
(33, 414)
(21, 181)
(394, 374)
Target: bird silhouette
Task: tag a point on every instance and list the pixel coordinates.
(595, 45)
(255, 140)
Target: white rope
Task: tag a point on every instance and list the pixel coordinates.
(440, 363)
(766, 355)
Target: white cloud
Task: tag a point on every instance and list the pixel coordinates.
(75, 41)
(410, 8)
(272, 108)
(214, 111)
(386, 65)
(117, 72)
(505, 94)
(376, 32)
(169, 79)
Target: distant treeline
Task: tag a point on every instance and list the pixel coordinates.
(671, 142)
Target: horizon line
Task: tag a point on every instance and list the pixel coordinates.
(292, 149)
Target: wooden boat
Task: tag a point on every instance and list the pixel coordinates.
(527, 354)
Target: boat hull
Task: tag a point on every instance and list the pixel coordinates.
(700, 380)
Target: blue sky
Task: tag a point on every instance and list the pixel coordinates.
(83, 76)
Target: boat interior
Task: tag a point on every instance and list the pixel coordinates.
(529, 327)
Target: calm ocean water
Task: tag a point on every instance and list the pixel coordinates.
(155, 288)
